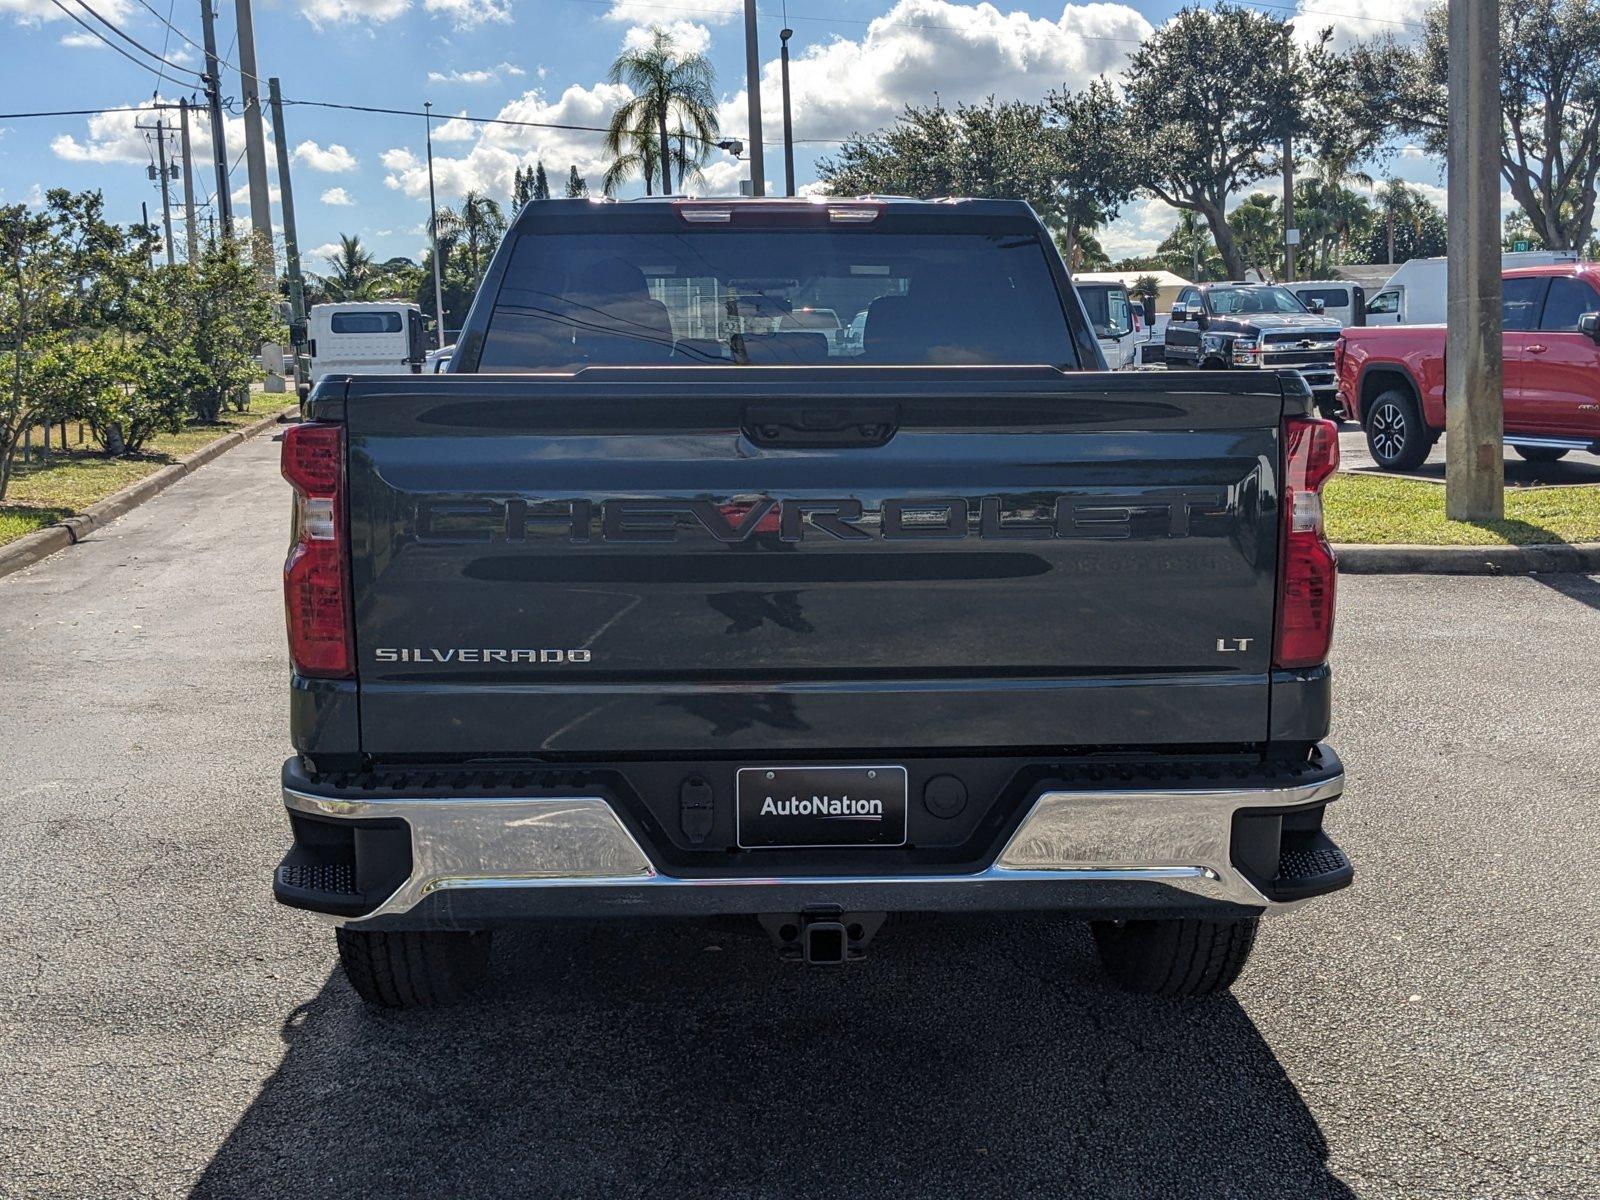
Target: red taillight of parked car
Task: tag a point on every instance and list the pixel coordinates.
(1309, 567)
(316, 579)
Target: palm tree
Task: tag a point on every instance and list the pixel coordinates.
(354, 272)
(1397, 202)
(483, 224)
(640, 160)
(669, 89)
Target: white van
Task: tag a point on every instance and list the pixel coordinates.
(1415, 294)
(382, 338)
(1341, 300)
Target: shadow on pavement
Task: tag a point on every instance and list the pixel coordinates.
(963, 1058)
(1581, 588)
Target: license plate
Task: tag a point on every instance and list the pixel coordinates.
(821, 806)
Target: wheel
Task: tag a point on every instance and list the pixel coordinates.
(1396, 435)
(1174, 957)
(1541, 454)
(413, 969)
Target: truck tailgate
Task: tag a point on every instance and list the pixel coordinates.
(792, 560)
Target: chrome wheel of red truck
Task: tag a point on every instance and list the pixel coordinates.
(1396, 434)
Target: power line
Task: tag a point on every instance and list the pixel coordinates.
(221, 59)
(85, 5)
(408, 112)
(103, 40)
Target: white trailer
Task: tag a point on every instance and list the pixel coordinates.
(1415, 293)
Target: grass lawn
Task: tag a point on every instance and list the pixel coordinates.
(44, 492)
(1380, 509)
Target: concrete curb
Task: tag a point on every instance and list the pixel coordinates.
(42, 543)
(1580, 557)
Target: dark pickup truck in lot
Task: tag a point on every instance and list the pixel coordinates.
(655, 606)
(1254, 327)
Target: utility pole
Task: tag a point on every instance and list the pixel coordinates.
(752, 87)
(192, 231)
(788, 123)
(255, 155)
(1291, 235)
(1474, 402)
(433, 226)
(166, 196)
(219, 141)
(144, 221)
(291, 239)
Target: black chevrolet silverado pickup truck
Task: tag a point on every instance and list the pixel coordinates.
(1255, 327)
(655, 605)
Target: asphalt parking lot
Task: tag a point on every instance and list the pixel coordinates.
(166, 1031)
(1576, 467)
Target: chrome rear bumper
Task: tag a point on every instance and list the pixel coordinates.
(573, 856)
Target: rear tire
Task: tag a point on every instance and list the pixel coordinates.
(1174, 957)
(413, 969)
(1540, 454)
(1396, 434)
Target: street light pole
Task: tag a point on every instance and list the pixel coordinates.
(752, 87)
(433, 227)
(1474, 375)
(788, 124)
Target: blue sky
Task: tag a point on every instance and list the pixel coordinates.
(855, 63)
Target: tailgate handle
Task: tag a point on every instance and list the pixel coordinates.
(820, 424)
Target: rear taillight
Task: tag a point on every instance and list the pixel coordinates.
(316, 581)
(1308, 568)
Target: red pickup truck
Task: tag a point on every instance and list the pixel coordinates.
(1391, 377)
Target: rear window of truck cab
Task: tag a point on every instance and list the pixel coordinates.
(778, 296)
(366, 322)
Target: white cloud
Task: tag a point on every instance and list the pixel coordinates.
(500, 149)
(37, 12)
(648, 12)
(1413, 152)
(241, 196)
(721, 177)
(456, 129)
(332, 158)
(351, 12)
(338, 197)
(112, 137)
(469, 14)
(1358, 20)
(320, 254)
(479, 75)
(1138, 230)
(689, 36)
(920, 49)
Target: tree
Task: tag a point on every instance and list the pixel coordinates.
(1257, 224)
(1189, 250)
(1094, 159)
(670, 89)
(1419, 233)
(1208, 102)
(640, 159)
(482, 225)
(1549, 98)
(1517, 233)
(529, 183)
(576, 184)
(1058, 156)
(353, 274)
(34, 309)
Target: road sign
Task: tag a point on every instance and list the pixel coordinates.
(1521, 245)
